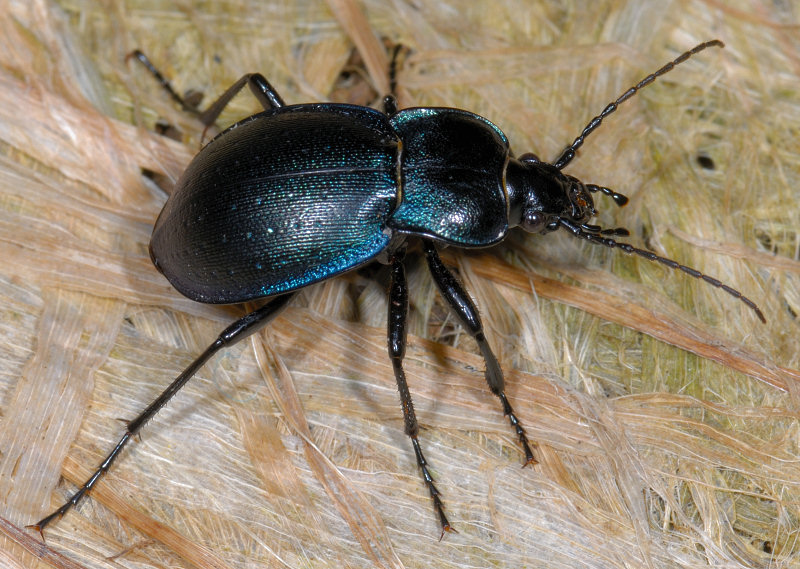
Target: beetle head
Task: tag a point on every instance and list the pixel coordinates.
(541, 196)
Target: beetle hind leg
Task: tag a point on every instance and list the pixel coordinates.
(261, 88)
(467, 313)
(245, 326)
(398, 316)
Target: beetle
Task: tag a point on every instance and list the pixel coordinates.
(298, 194)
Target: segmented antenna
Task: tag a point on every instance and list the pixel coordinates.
(594, 234)
(618, 198)
(569, 152)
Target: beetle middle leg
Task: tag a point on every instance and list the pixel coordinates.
(398, 316)
(467, 313)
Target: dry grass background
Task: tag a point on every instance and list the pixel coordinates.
(288, 451)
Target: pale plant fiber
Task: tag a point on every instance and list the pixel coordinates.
(289, 450)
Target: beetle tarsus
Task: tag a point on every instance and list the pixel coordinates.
(446, 527)
(438, 505)
(508, 411)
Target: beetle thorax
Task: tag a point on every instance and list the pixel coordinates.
(540, 195)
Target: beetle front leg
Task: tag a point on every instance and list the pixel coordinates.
(467, 313)
(398, 315)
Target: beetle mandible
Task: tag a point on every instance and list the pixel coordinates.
(298, 194)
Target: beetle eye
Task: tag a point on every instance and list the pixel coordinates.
(533, 221)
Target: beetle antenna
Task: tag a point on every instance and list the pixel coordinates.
(618, 198)
(595, 235)
(597, 230)
(569, 153)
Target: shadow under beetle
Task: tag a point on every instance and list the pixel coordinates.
(300, 193)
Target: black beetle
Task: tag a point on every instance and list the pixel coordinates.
(300, 193)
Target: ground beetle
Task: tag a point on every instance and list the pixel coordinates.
(300, 193)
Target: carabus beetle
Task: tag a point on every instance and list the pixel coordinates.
(298, 194)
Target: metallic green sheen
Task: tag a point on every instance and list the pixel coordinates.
(452, 177)
(278, 201)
